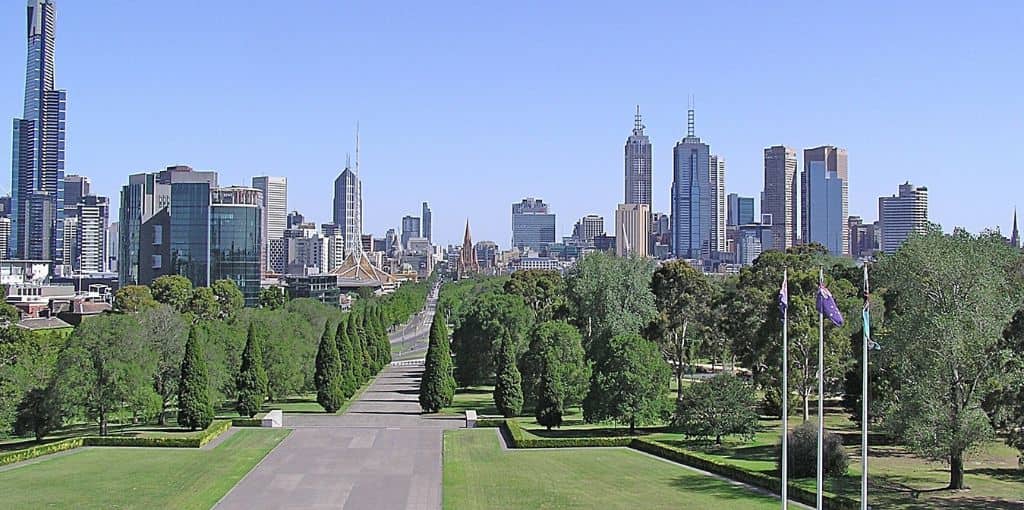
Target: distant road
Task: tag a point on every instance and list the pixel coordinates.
(414, 334)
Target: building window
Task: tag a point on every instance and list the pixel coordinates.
(157, 261)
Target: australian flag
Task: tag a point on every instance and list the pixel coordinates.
(784, 296)
(827, 305)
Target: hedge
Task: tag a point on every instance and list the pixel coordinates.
(490, 422)
(755, 478)
(247, 422)
(215, 429)
(523, 439)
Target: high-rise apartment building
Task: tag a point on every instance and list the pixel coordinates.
(779, 198)
(740, 210)
(37, 169)
(718, 203)
(90, 241)
(632, 230)
(533, 226)
(425, 229)
(275, 218)
(5, 236)
(410, 229)
(335, 245)
(638, 164)
(348, 208)
(691, 196)
(901, 215)
(824, 185)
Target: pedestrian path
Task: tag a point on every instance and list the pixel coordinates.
(381, 454)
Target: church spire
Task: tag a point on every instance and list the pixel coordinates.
(1015, 235)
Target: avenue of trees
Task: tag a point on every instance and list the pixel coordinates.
(171, 349)
(617, 335)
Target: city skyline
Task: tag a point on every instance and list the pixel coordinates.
(581, 174)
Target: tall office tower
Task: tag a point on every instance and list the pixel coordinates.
(5, 236)
(901, 215)
(691, 196)
(740, 210)
(779, 198)
(410, 229)
(275, 217)
(533, 227)
(824, 185)
(295, 218)
(390, 242)
(718, 203)
(235, 234)
(37, 169)
(113, 237)
(587, 228)
(864, 237)
(632, 229)
(348, 208)
(75, 187)
(425, 231)
(638, 164)
(90, 241)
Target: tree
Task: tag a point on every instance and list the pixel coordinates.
(329, 392)
(550, 400)
(133, 299)
(487, 320)
(556, 351)
(508, 387)
(173, 290)
(27, 361)
(165, 332)
(683, 296)
(721, 406)
(949, 299)
(628, 383)
(104, 363)
(542, 291)
(252, 377)
(1005, 404)
(437, 386)
(802, 451)
(37, 413)
(345, 356)
(229, 298)
(203, 304)
(195, 408)
(272, 297)
(360, 367)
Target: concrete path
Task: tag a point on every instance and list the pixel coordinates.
(381, 454)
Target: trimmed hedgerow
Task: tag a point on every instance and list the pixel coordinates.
(523, 439)
(39, 450)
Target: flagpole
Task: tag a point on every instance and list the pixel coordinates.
(821, 393)
(785, 395)
(864, 397)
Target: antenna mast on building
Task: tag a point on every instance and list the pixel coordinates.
(357, 147)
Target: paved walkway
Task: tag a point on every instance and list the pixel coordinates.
(381, 454)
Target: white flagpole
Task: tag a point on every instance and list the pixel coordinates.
(864, 399)
(785, 394)
(821, 394)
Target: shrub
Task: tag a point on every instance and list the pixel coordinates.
(803, 453)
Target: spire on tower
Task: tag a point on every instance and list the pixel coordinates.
(638, 122)
(689, 119)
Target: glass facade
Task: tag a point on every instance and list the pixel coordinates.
(691, 199)
(825, 201)
(235, 232)
(190, 235)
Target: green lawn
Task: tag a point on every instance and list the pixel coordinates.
(478, 474)
(137, 478)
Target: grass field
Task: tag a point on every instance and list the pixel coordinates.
(137, 478)
(479, 475)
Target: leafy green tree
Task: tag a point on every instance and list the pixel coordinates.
(487, 320)
(721, 406)
(27, 363)
(104, 363)
(556, 351)
(38, 414)
(349, 385)
(542, 291)
(949, 299)
(133, 299)
(252, 377)
(802, 451)
(329, 376)
(272, 297)
(683, 296)
(165, 331)
(508, 387)
(437, 386)
(628, 383)
(1005, 403)
(549, 408)
(173, 290)
(195, 408)
(203, 305)
(229, 298)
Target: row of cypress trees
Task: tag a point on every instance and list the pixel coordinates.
(437, 385)
(350, 354)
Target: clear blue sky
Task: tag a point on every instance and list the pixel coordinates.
(472, 106)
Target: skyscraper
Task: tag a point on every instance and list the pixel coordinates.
(348, 208)
(235, 225)
(75, 187)
(410, 229)
(740, 210)
(91, 215)
(425, 229)
(823, 196)
(275, 219)
(533, 227)
(37, 170)
(588, 227)
(691, 196)
(779, 198)
(902, 215)
(718, 203)
(638, 164)
(632, 229)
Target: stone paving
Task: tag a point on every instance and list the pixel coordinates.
(381, 454)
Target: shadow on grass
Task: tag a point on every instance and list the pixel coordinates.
(596, 432)
(1005, 474)
(712, 487)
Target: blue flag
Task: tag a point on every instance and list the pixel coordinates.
(784, 295)
(827, 305)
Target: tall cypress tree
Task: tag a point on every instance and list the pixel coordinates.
(433, 384)
(328, 376)
(383, 329)
(195, 407)
(365, 345)
(344, 346)
(252, 377)
(549, 402)
(358, 354)
(372, 345)
(508, 389)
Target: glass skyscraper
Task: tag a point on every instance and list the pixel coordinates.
(533, 227)
(823, 191)
(236, 225)
(348, 208)
(37, 170)
(691, 196)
